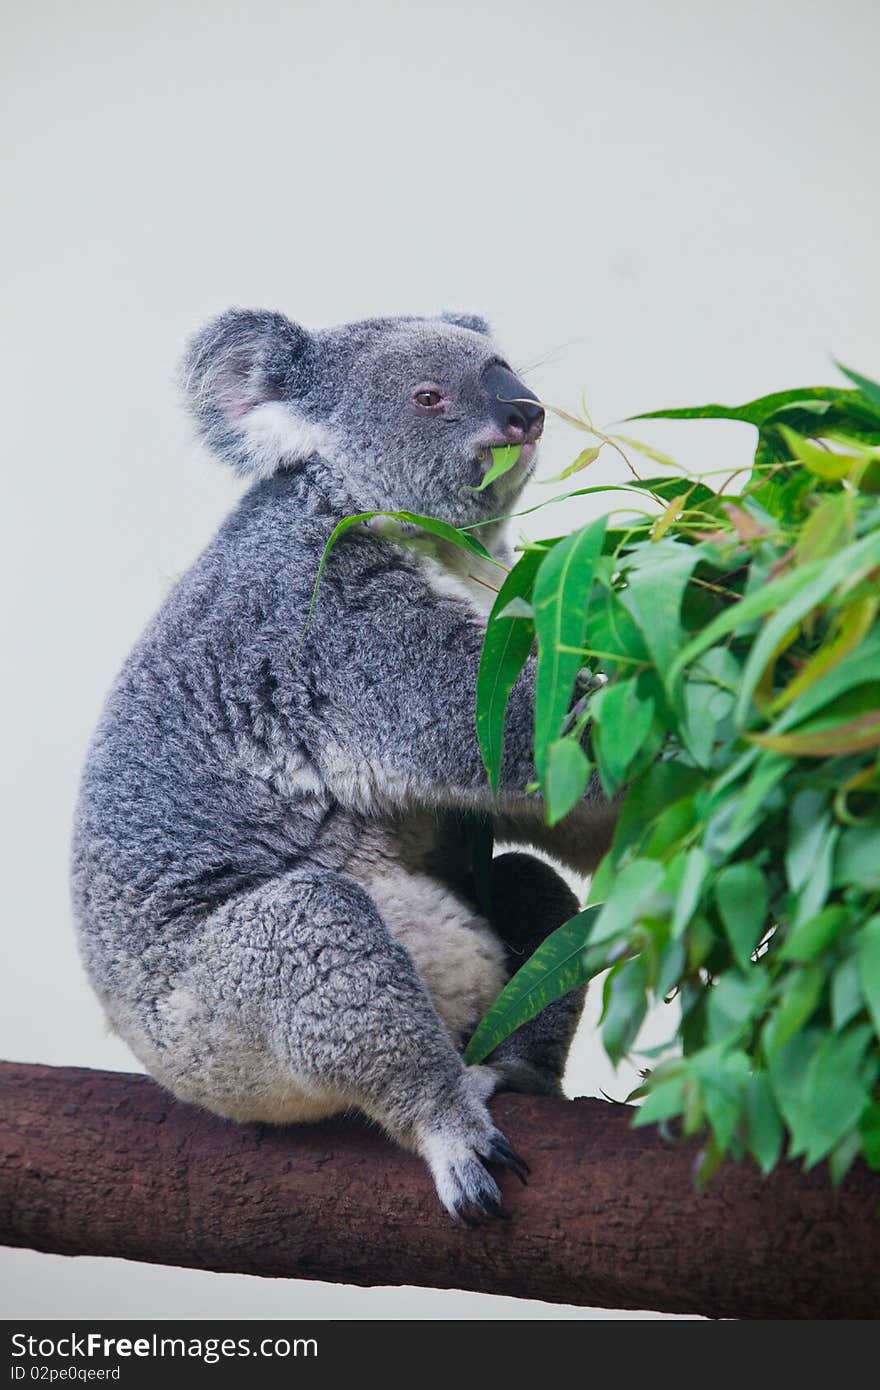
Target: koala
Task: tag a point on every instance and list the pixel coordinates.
(271, 876)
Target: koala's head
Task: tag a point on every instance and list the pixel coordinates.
(402, 412)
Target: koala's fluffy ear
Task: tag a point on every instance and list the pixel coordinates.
(472, 321)
(244, 376)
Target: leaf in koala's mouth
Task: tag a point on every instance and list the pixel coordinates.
(503, 459)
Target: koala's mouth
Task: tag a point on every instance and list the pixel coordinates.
(484, 459)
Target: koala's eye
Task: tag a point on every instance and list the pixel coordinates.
(428, 396)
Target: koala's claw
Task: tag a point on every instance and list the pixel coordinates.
(479, 1209)
(467, 1190)
(464, 1184)
(460, 1148)
(503, 1153)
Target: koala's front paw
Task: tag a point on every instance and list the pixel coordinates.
(459, 1148)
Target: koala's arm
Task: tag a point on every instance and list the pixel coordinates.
(398, 729)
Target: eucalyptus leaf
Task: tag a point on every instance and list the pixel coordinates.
(869, 968)
(813, 936)
(696, 868)
(625, 1007)
(628, 896)
(506, 649)
(815, 399)
(653, 597)
(859, 557)
(663, 1102)
(622, 720)
(869, 389)
(793, 594)
(803, 988)
(561, 963)
(764, 1128)
(560, 597)
(732, 653)
(742, 898)
(735, 1002)
(503, 459)
(809, 823)
(568, 772)
(857, 861)
(847, 998)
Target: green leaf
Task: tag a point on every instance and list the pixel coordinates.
(671, 828)
(622, 719)
(701, 942)
(803, 989)
(506, 648)
(734, 1002)
(664, 785)
(787, 1069)
(870, 389)
(764, 1131)
(611, 630)
(815, 890)
(828, 1098)
(626, 1004)
(810, 938)
(846, 993)
(518, 608)
(670, 967)
(831, 467)
(858, 857)
(664, 1101)
(742, 898)
(561, 963)
(853, 560)
(869, 1132)
(583, 460)
(561, 593)
(860, 667)
(695, 872)
(844, 1155)
(723, 1084)
(757, 411)
(821, 1086)
(808, 825)
(793, 593)
(503, 459)
(869, 968)
(568, 772)
(709, 695)
(825, 530)
(603, 878)
(630, 892)
(656, 578)
(739, 815)
(831, 741)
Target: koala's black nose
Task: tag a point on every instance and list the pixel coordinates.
(510, 404)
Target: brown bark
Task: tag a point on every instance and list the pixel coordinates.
(101, 1163)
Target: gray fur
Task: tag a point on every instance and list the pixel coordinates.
(249, 795)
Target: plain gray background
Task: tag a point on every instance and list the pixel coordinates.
(654, 204)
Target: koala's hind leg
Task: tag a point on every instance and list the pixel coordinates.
(300, 1002)
(529, 901)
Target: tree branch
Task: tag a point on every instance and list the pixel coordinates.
(101, 1163)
